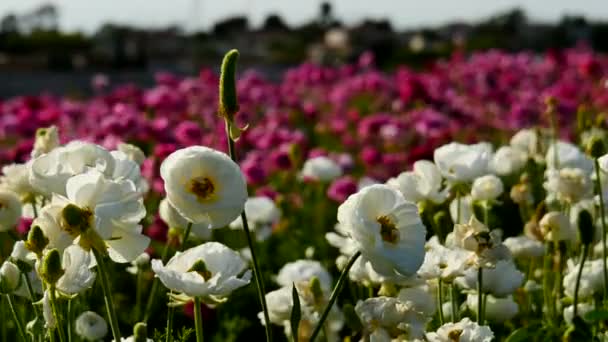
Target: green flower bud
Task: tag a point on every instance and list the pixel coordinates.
(36, 241)
(443, 223)
(585, 227)
(140, 332)
(229, 105)
(51, 269)
(596, 147)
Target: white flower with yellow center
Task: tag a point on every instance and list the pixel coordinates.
(568, 156)
(302, 271)
(477, 238)
(555, 226)
(97, 213)
(262, 213)
(398, 319)
(463, 331)
(424, 182)
(442, 262)
(15, 177)
(210, 271)
(508, 160)
(386, 229)
(77, 275)
(486, 188)
(10, 210)
(321, 169)
(497, 310)
(568, 185)
(463, 163)
(204, 185)
(500, 281)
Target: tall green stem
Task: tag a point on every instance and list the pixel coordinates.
(155, 284)
(334, 295)
(603, 219)
(69, 320)
(107, 293)
(547, 281)
(578, 277)
(53, 302)
(256, 267)
(480, 296)
(171, 309)
(18, 323)
(198, 319)
(440, 300)
(454, 302)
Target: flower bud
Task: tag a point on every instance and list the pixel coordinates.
(10, 277)
(22, 257)
(443, 224)
(140, 332)
(596, 147)
(91, 326)
(47, 139)
(585, 227)
(229, 105)
(36, 241)
(51, 269)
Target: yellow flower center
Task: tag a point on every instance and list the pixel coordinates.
(388, 230)
(76, 220)
(203, 188)
(201, 268)
(454, 335)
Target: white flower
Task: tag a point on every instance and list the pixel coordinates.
(365, 182)
(508, 160)
(302, 271)
(175, 220)
(392, 315)
(204, 185)
(21, 253)
(463, 331)
(50, 172)
(90, 326)
(424, 182)
(97, 209)
(47, 139)
(568, 185)
(16, 178)
(466, 209)
(500, 281)
(125, 168)
(497, 310)
(592, 280)
(387, 229)
(340, 239)
(321, 169)
(49, 319)
(463, 163)
(420, 298)
(555, 226)
(477, 238)
(262, 214)
(583, 308)
(142, 261)
(77, 276)
(486, 188)
(133, 152)
(210, 271)
(10, 210)
(568, 156)
(524, 247)
(526, 140)
(442, 262)
(10, 277)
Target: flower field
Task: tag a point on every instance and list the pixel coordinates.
(461, 202)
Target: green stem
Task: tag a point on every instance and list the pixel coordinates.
(170, 309)
(334, 295)
(603, 220)
(547, 282)
(578, 278)
(18, 323)
(53, 302)
(107, 293)
(198, 319)
(69, 320)
(454, 302)
(155, 284)
(257, 273)
(440, 301)
(480, 296)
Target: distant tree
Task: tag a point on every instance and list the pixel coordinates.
(231, 25)
(274, 23)
(9, 24)
(326, 16)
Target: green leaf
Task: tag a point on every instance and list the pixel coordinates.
(296, 314)
(596, 315)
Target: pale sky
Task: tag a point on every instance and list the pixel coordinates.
(87, 15)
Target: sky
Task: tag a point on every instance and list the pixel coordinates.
(88, 15)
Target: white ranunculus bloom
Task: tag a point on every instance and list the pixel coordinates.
(500, 281)
(497, 310)
(363, 272)
(442, 262)
(321, 169)
(568, 156)
(204, 185)
(592, 280)
(10, 277)
(477, 238)
(486, 188)
(525, 248)
(421, 298)
(262, 214)
(302, 271)
(555, 226)
(21, 253)
(49, 319)
(125, 168)
(10, 210)
(174, 219)
(341, 240)
(583, 308)
(133, 152)
(90, 326)
(526, 140)
(210, 271)
(132, 339)
(47, 139)
(463, 331)
(568, 185)
(50, 172)
(463, 163)
(508, 160)
(424, 182)
(16, 178)
(97, 208)
(77, 277)
(466, 209)
(392, 315)
(386, 228)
